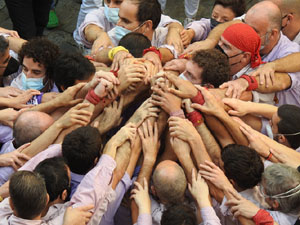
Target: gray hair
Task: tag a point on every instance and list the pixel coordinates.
(282, 183)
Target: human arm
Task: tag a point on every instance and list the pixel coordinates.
(19, 101)
(173, 37)
(15, 43)
(15, 159)
(77, 216)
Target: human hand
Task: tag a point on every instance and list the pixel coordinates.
(141, 197)
(215, 175)
(151, 71)
(199, 190)
(176, 65)
(154, 58)
(105, 88)
(109, 76)
(67, 98)
(147, 109)
(149, 137)
(103, 41)
(174, 39)
(239, 107)
(78, 216)
(119, 58)
(75, 115)
(20, 101)
(168, 102)
(131, 74)
(15, 159)
(105, 121)
(10, 91)
(265, 73)
(199, 45)
(9, 115)
(287, 159)
(182, 129)
(187, 104)
(49, 96)
(10, 32)
(241, 206)
(185, 89)
(127, 132)
(187, 36)
(212, 105)
(235, 88)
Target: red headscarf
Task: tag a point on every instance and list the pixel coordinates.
(244, 37)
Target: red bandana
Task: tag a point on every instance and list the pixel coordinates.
(244, 37)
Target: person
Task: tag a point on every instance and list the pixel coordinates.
(29, 18)
(223, 11)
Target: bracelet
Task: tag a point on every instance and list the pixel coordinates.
(195, 117)
(89, 57)
(92, 97)
(269, 156)
(114, 51)
(153, 49)
(178, 113)
(198, 98)
(263, 217)
(115, 72)
(252, 82)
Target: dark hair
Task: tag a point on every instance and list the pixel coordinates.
(80, 148)
(289, 123)
(41, 50)
(135, 43)
(70, 67)
(243, 165)
(28, 194)
(55, 173)
(238, 7)
(148, 10)
(215, 66)
(3, 45)
(179, 214)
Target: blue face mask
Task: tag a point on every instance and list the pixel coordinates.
(121, 31)
(111, 14)
(32, 83)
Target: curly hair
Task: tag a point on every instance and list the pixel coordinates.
(215, 66)
(41, 50)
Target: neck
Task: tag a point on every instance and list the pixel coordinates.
(293, 32)
(149, 35)
(270, 46)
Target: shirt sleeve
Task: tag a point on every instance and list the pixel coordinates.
(201, 28)
(209, 216)
(95, 188)
(121, 189)
(166, 20)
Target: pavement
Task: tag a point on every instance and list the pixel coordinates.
(67, 11)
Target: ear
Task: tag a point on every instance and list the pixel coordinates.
(275, 205)
(64, 195)
(48, 199)
(246, 57)
(148, 26)
(290, 17)
(153, 190)
(274, 33)
(96, 160)
(282, 139)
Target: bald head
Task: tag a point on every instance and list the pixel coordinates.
(288, 6)
(169, 181)
(265, 12)
(29, 125)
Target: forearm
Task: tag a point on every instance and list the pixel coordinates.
(199, 150)
(15, 44)
(92, 32)
(281, 82)
(47, 107)
(175, 25)
(134, 156)
(234, 128)
(287, 64)
(212, 147)
(166, 54)
(102, 56)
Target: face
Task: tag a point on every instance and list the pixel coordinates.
(234, 54)
(193, 72)
(33, 69)
(4, 59)
(222, 14)
(127, 14)
(113, 3)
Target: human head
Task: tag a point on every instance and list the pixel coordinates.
(72, 68)
(208, 67)
(29, 125)
(281, 188)
(285, 123)
(242, 165)
(57, 178)
(135, 43)
(4, 55)
(28, 194)
(142, 16)
(82, 148)
(241, 44)
(37, 57)
(265, 18)
(226, 10)
(169, 182)
(179, 214)
(113, 3)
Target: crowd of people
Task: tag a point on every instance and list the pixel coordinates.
(149, 122)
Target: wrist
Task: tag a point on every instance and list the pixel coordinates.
(154, 50)
(114, 51)
(203, 202)
(250, 82)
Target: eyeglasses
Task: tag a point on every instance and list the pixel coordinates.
(286, 194)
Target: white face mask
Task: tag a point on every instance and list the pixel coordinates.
(182, 76)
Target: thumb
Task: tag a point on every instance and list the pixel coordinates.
(224, 85)
(233, 112)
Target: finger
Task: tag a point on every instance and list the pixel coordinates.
(268, 80)
(24, 156)
(138, 185)
(21, 148)
(261, 79)
(272, 76)
(81, 105)
(145, 129)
